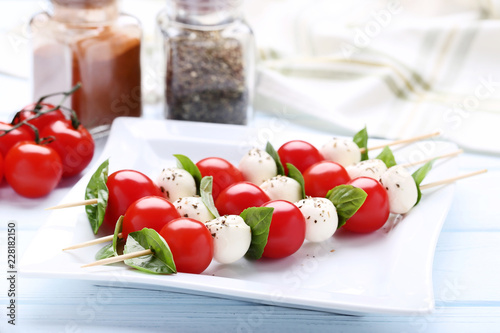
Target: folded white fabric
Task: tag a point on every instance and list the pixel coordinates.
(401, 68)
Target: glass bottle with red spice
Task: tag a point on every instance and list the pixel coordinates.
(92, 43)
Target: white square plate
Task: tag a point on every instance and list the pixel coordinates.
(387, 272)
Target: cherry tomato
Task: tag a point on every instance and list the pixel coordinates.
(32, 170)
(224, 173)
(125, 187)
(1, 168)
(239, 196)
(287, 231)
(374, 212)
(148, 212)
(74, 146)
(191, 244)
(7, 141)
(321, 177)
(42, 121)
(299, 153)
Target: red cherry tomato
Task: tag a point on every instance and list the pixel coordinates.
(7, 141)
(224, 173)
(44, 120)
(374, 212)
(32, 170)
(299, 153)
(287, 231)
(191, 244)
(125, 187)
(1, 168)
(148, 212)
(239, 196)
(74, 146)
(321, 177)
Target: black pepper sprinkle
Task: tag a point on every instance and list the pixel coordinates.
(205, 79)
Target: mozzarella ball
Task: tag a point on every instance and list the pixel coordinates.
(176, 183)
(257, 166)
(401, 189)
(232, 237)
(370, 168)
(321, 218)
(343, 151)
(193, 207)
(282, 188)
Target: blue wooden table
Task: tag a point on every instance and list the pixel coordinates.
(466, 274)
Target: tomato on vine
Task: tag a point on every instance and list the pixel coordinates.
(75, 146)
(374, 212)
(300, 153)
(9, 137)
(1, 168)
(191, 244)
(43, 120)
(32, 170)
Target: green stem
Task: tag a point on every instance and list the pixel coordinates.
(65, 93)
(35, 130)
(74, 118)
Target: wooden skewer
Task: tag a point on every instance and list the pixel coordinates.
(455, 153)
(92, 242)
(451, 180)
(74, 204)
(119, 258)
(398, 142)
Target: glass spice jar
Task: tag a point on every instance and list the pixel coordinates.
(210, 61)
(91, 42)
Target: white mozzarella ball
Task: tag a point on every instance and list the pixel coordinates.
(321, 218)
(373, 168)
(282, 188)
(257, 166)
(232, 237)
(401, 189)
(176, 183)
(193, 207)
(343, 151)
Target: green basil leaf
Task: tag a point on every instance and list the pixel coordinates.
(110, 250)
(294, 173)
(259, 221)
(419, 176)
(160, 262)
(347, 199)
(118, 229)
(361, 139)
(97, 189)
(387, 157)
(271, 151)
(106, 252)
(206, 195)
(185, 163)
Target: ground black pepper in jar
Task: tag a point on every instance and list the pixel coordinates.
(209, 54)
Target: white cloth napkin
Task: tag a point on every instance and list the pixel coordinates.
(401, 68)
